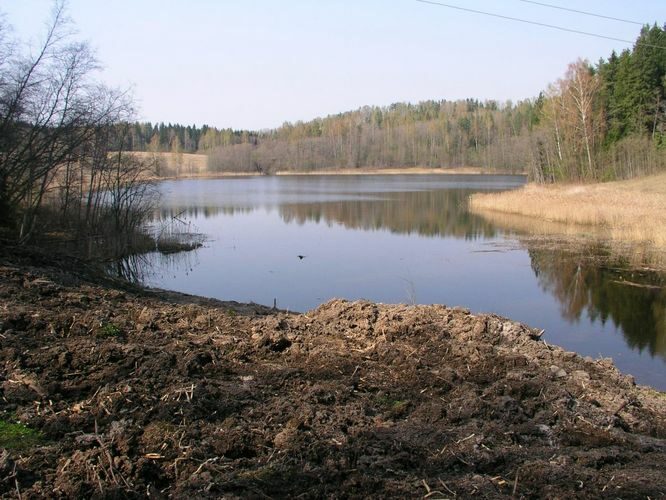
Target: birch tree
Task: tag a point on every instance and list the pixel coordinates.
(580, 90)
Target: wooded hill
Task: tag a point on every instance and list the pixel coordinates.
(598, 122)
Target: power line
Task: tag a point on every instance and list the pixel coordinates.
(544, 25)
(582, 12)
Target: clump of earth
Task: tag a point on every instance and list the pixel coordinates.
(134, 392)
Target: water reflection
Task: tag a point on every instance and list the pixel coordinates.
(193, 212)
(592, 281)
(135, 268)
(589, 281)
(143, 268)
(426, 213)
(394, 239)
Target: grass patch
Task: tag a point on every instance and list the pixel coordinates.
(17, 436)
(109, 330)
(394, 408)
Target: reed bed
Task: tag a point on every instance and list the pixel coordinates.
(631, 211)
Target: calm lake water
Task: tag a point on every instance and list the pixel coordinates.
(407, 239)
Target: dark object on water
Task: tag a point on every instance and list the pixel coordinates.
(301, 256)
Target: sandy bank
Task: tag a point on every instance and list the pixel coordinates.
(131, 392)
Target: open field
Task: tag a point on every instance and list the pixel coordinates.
(175, 164)
(632, 212)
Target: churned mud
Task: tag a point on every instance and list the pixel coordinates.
(128, 393)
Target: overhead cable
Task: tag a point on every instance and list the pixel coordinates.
(585, 13)
(536, 23)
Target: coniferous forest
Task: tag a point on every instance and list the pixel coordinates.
(599, 121)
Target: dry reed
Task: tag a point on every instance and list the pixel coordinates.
(631, 211)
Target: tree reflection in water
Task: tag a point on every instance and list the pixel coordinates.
(586, 280)
(426, 213)
(140, 268)
(595, 282)
(590, 280)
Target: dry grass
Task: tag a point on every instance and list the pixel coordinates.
(627, 211)
(177, 164)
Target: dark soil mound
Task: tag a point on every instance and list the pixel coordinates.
(136, 393)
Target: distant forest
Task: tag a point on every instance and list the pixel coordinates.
(598, 122)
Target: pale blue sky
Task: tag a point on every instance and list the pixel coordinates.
(257, 63)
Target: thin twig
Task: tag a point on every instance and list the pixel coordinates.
(18, 490)
(447, 488)
(214, 459)
(515, 484)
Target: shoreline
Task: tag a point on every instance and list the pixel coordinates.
(195, 166)
(623, 212)
(115, 390)
(403, 171)
(346, 172)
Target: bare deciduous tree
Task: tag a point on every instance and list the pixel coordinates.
(57, 128)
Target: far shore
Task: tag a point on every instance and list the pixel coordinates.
(195, 166)
(402, 171)
(344, 171)
(206, 175)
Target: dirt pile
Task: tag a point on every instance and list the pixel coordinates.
(135, 393)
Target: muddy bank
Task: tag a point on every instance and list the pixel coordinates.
(129, 393)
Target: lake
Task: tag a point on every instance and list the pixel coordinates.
(302, 240)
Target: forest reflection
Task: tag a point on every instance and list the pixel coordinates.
(192, 212)
(426, 213)
(586, 279)
(598, 283)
